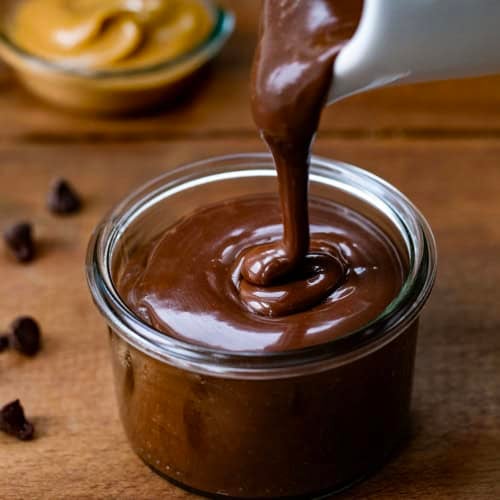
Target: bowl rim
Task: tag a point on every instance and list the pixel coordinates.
(398, 315)
(207, 48)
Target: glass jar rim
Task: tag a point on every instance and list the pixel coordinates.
(400, 313)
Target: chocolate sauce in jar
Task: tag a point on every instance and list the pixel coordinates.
(188, 284)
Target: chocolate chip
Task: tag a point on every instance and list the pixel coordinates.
(19, 240)
(13, 421)
(4, 342)
(25, 335)
(62, 198)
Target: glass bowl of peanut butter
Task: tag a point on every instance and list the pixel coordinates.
(112, 56)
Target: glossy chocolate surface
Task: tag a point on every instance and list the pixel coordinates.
(187, 283)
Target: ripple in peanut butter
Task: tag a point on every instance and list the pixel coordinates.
(112, 34)
(187, 283)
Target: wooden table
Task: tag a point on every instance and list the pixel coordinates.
(439, 143)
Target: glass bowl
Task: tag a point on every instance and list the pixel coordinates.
(268, 425)
(110, 91)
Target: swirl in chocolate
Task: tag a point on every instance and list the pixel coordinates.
(291, 77)
(187, 282)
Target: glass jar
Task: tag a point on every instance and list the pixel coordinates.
(247, 424)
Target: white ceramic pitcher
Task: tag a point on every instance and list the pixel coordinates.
(404, 41)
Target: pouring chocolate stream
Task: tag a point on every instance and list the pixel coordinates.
(258, 273)
(291, 78)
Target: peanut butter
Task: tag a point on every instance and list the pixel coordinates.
(114, 34)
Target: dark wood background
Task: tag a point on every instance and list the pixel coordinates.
(439, 143)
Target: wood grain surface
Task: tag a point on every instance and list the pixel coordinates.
(439, 143)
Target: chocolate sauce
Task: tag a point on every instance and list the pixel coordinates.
(291, 78)
(188, 283)
(246, 275)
